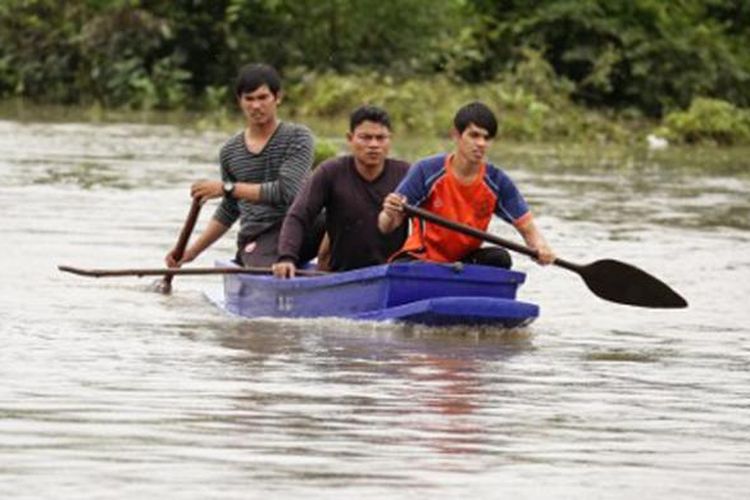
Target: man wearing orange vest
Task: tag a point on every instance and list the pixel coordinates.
(461, 186)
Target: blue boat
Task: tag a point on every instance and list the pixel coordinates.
(424, 293)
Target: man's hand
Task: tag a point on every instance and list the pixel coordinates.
(284, 269)
(171, 261)
(206, 190)
(393, 205)
(534, 240)
(392, 215)
(545, 255)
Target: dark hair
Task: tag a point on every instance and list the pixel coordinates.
(369, 114)
(254, 76)
(478, 114)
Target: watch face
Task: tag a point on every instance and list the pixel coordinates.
(228, 187)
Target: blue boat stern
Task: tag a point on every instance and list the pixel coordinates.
(449, 311)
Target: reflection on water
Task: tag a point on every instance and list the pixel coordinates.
(112, 391)
(397, 389)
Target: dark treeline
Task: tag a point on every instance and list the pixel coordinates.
(639, 57)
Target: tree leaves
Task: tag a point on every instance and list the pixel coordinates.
(648, 55)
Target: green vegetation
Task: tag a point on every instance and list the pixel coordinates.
(591, 70)
(534, 104)
(323, 150)
(709, 120)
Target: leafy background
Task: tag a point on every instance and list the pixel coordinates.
(602, 70)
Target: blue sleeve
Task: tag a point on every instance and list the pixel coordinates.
(413, 185)
(421, 177)
(511, 206)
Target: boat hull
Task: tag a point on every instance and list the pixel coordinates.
(425, 293)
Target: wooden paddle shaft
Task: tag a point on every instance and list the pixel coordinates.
(182, 240)
(481, 235)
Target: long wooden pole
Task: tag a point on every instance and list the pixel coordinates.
(165, 286)
(109, 273)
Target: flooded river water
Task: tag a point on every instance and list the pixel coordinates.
(111, 391)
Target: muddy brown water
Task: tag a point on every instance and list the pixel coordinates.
(110, 391)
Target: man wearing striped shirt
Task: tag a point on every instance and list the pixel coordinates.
(262, 169)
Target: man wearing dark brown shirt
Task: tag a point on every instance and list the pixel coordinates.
(351, 190)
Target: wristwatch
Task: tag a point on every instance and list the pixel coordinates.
(228, 188)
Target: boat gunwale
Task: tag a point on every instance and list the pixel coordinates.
(418, 271)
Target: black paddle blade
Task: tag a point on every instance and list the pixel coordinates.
(625, 284)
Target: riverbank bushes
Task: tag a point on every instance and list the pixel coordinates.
(532, 102)
(589, 70)
(708, 121)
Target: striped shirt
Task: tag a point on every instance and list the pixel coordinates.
(280, 169)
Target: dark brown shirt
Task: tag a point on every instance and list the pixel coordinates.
(351, 205)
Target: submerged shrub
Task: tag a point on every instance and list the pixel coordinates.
(708, 120)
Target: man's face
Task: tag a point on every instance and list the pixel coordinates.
(472, 143)
(370, 143)
(259, 106)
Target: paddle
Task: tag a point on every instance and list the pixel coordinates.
(609, 279)
(172, 271)
(165, 285)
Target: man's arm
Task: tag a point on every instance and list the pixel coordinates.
(535, 240)
(293, 171)
(411, 189)
(208, 189)
(280, 191)
(512, 208)
(299, 221)
(213, 231)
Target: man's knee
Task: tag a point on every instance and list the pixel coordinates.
(490, 256)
